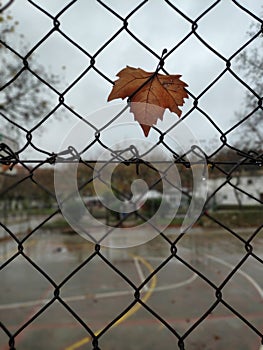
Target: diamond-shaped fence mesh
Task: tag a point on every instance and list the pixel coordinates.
(187, 278)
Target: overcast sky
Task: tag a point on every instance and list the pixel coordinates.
(156, 24)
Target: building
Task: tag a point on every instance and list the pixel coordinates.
(245, 189)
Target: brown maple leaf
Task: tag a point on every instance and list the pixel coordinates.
(150, 94)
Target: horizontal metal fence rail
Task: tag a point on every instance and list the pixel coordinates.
(226, 167)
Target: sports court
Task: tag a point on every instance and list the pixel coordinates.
(99, 295)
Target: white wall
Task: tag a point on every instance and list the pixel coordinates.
(253, 185)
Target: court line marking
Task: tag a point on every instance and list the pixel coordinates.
(176, 285)
(119, 293)
(140, 273)
(100, 295)
(241, 272)
(137, 306)
(66, 299)
(96, 296)
(132, 311)
(244, 274)
(28, 317)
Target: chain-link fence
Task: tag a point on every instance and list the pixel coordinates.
(195, 282)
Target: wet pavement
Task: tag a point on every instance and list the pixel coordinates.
(97, 293)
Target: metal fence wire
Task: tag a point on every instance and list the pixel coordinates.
(235, 160)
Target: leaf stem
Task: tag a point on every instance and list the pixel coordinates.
(161, 62)
(159, 66)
